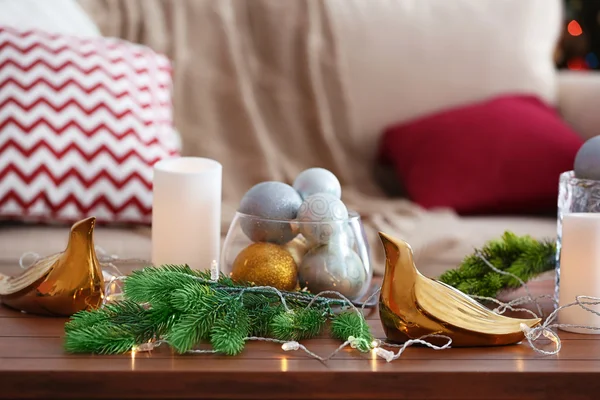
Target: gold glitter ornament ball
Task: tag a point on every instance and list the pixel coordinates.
(266, 264)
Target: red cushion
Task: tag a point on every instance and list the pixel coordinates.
(499, 156)
(82, 122)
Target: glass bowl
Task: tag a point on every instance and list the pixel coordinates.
(315, 256)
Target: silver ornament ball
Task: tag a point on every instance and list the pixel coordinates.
(333, 267)
(270, 201)
(321, 216)
(317, 180)
(587, 160)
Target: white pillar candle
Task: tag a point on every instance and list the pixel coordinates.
(579, 268)
(186, 212)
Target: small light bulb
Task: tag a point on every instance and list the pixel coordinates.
(551, 336)
(145, 347)
(214, 270)
(374, 343)
(385, 354)
(287, 346)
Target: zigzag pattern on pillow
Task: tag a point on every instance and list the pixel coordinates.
(82, 122)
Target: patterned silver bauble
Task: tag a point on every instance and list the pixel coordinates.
(587, 161)
(333, 267)
(321, 217)
(317, 180)
(270, 201)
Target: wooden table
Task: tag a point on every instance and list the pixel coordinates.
(34, 365)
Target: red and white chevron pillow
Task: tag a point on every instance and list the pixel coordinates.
(82, 121)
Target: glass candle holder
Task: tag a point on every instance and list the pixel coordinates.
(332, 255)
(574, 196)
(580, 260)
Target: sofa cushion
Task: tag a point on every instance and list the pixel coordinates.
(18, 239)
(504, 155)
(136, 242)
(56, 16)
(82, 121)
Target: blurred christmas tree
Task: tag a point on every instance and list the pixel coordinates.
(579, 47)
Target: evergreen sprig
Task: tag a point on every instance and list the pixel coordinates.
(185, 308)
(522, 256)
(100, 339)
(297, 325)
(350, 323)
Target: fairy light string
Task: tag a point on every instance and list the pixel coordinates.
(536, 337)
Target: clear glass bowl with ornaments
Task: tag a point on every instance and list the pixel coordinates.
(299, 237)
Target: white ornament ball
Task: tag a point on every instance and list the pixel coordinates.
(587, 160)
(270, 201)
(321, 217)
(333, 267)
(317, 180)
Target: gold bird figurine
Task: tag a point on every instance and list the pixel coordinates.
(61, 284)
(412, 305)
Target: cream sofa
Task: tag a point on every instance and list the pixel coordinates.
(269, 88)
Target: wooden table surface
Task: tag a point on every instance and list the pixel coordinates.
(34, 365)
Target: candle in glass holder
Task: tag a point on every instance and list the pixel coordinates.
(579, 268)
(186, 212)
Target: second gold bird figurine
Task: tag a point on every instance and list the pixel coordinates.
(412, 305)
(61, 284)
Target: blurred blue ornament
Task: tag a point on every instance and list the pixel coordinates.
(587, 160)
(591, 60)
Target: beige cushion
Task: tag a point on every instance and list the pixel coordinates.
(136, 243)
(578, 101)
(45, 240)
(56, 16)
(477, 230)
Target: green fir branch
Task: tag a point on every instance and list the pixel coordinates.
(522, 256)
(100, 339)
(297, 325)
(156, 284)
(351, 324)
(228, 334)
(123, 312)
(185, 308)
(197, 324)
(261, 318)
